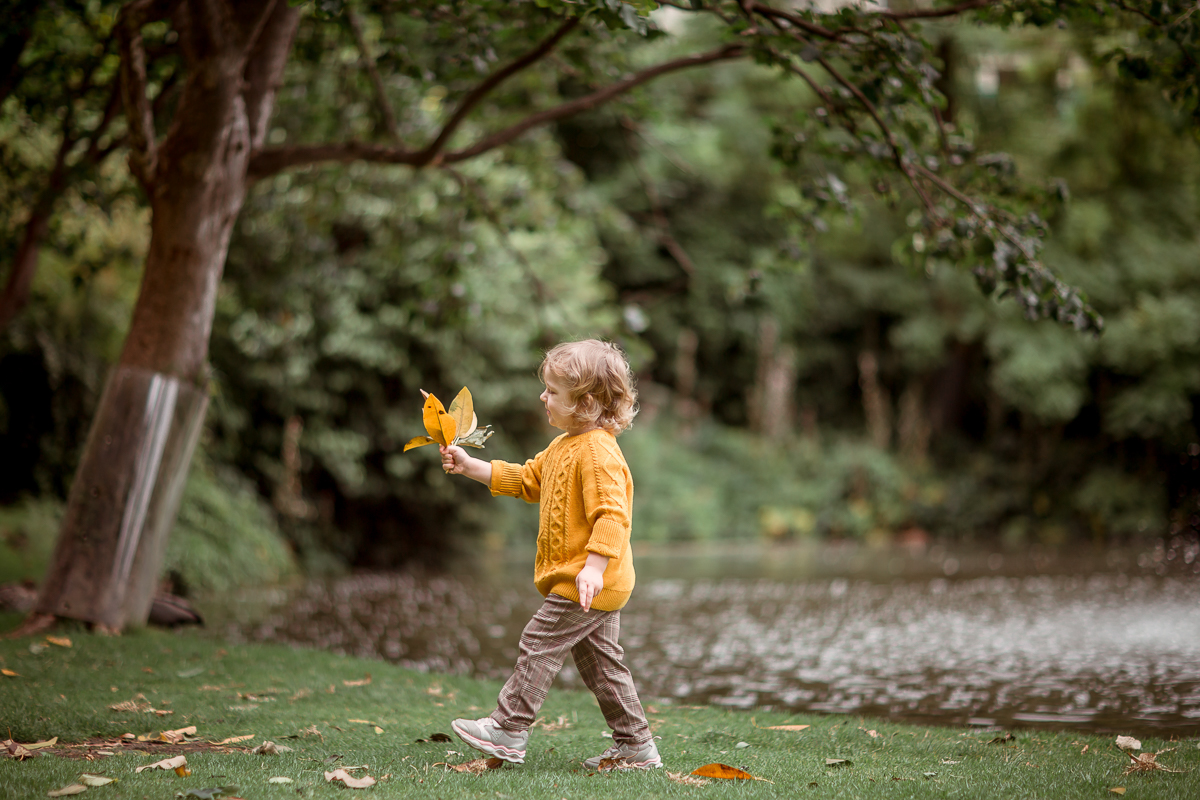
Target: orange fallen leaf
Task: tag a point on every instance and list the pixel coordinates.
(61, 641)
(183, 771)
(8, 673)
(726, 772)
(364, 682)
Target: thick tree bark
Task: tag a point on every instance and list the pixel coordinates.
(126, 492)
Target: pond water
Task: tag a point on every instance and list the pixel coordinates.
(1100, 641)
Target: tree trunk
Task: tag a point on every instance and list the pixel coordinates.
(126, 491)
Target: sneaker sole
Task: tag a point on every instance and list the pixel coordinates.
(499, 751)
(630, 765)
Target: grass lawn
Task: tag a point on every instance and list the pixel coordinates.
(335, 711)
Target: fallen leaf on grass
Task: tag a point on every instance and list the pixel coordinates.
(268, 748)
(234, 739)
(779, 727)
(92, 779)
(177, 736)
(1128, 743)
(364, 682)
(1117, 790)
(1008, 737)
(60, 641)
(726, 772)
(838, 762)
(41, 745)
(194, 672)
(166, 763)
(687, 780)
(1148, 762)
(476, 767)
(17, 751)
(280, 779)
(872, 734)
(349, 780)
(69, 789)
(8, 673)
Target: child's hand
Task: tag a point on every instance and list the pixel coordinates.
(589, 582)
(454, 459)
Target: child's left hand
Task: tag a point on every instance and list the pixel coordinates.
(589, 582)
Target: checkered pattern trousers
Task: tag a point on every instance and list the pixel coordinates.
(561, 626)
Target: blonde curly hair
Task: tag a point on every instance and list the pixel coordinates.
(598, 380)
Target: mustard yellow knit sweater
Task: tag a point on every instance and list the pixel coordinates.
(586, 496)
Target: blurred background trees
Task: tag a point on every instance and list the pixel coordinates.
(811, 360)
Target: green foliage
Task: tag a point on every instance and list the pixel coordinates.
(226, 536)
(28, 530)
(715, 482)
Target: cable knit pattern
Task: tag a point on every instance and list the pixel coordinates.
(586, 494)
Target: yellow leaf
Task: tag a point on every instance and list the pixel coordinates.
(725, 772)
(364, 682)
(787, 727)
(92, 779)
(74, 788)
(40, 745)
(1118, 790)
(378, 729)
(8, 673)
(183, 771)
(61, 641)
(438, 424)
(462, 409)
(419, 441)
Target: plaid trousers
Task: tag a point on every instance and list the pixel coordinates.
(559, 626)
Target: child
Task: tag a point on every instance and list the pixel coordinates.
(584, 567)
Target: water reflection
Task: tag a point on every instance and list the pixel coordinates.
(1098, 643)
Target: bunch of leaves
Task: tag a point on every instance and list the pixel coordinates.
(458, 425)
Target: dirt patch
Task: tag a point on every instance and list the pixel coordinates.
(100, 749)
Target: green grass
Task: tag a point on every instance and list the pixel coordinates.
(275, 693)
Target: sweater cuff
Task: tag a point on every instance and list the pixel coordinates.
(608, 538)
(506, 479)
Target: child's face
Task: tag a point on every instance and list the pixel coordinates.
(557, 400)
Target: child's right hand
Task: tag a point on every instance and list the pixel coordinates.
(454, 459)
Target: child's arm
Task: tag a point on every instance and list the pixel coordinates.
(455, 460)
(590, 579)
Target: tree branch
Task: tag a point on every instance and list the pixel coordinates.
(934, 13)
(368, 62)
(264, 66)
(494, 80)
(271, 161)
(143, 147)
(727, 52)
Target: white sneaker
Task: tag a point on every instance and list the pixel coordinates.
(488, 737)
(627, 756)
